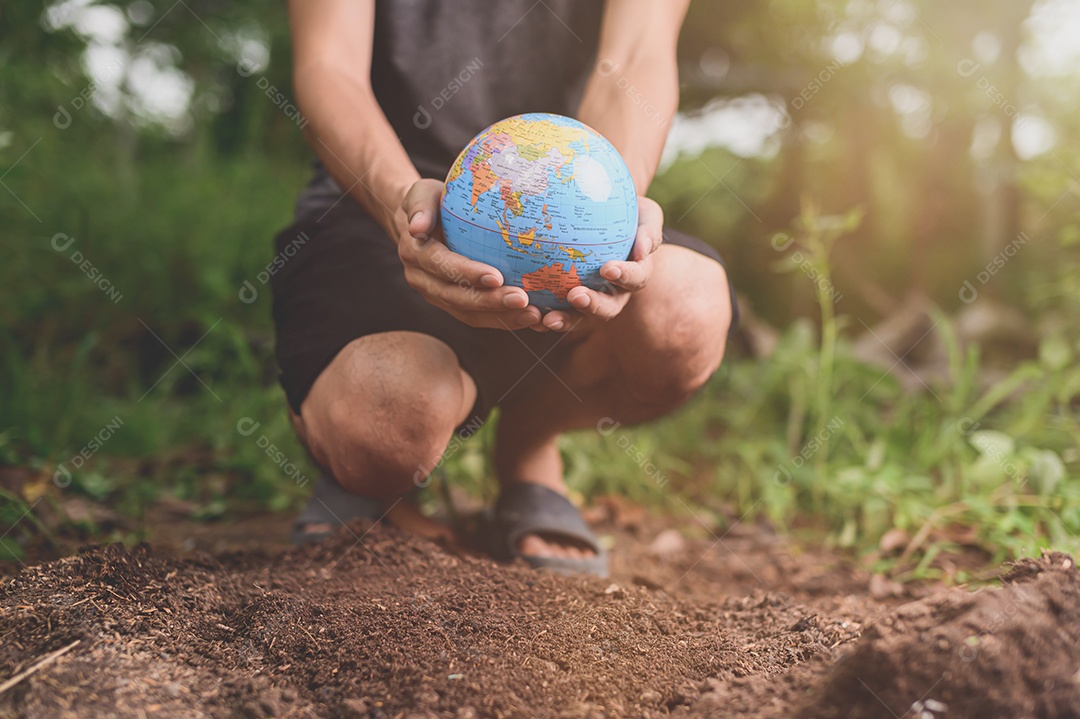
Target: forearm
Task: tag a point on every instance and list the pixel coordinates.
(351, 135)
(631, 104)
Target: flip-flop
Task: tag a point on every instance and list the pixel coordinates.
(331, 504)
(527, 508)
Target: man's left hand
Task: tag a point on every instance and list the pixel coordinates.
(623, 278)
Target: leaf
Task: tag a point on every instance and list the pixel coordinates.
(1046, 469)
(993, 444)
(1055, 353)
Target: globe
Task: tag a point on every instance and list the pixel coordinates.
(545, 200)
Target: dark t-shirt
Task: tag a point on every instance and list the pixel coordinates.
(443, 70)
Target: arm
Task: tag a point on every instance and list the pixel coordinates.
(634, 91)
(630, 99)
(332, 44)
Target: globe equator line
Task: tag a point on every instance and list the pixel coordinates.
(542, 242)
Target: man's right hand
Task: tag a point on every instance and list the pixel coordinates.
(471, 291)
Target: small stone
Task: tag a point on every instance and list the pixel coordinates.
(650, 696)
(427, 697)
(354, 708)
(882, 588)
(894, 541)
(666, 544)
(614, 589)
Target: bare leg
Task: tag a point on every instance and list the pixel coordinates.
(381, 412)
(666, 343)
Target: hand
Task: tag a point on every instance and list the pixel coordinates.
(472, 292)
(623, 278)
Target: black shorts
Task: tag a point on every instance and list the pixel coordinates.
(339, 278)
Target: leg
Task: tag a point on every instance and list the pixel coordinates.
(665, 344)
(372, 410)
(383, 411)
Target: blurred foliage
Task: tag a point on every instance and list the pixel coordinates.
(876, 137)
(815, 436)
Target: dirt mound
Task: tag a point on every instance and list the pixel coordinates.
(1009, 652)
(374, 624)
(375, 628)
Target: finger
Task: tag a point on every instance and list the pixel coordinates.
(561, 320)
(437, 259)
(511, 320)
(461, 296)
(650, 230)
(602, 305)
(421, 205)
(630, 276)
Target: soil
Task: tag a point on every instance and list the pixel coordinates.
(376, 624)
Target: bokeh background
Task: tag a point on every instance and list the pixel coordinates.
(895, 185)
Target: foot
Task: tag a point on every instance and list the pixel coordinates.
(531, 510)
(538, 545)
(541, 545)
(538, 465)
(405, 516)
(331, 505)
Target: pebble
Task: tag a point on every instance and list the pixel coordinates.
(354, 708)
(666, 544)
(651, 697)
(894, 540)
(882, 588)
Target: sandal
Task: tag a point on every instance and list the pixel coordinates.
(526, 508)
(331, 504)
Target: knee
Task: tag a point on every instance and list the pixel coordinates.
(688, 339)
(390, 425)
(683, 365)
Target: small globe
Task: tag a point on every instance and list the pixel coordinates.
(544, 199)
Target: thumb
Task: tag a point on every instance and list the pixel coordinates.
(421, 205)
